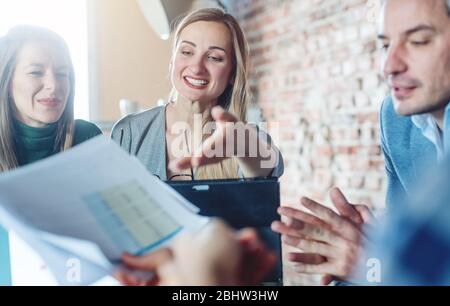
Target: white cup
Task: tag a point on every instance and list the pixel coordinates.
(128, 107)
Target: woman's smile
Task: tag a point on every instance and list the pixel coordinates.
(195, 83)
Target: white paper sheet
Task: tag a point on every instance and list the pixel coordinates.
(83, 208)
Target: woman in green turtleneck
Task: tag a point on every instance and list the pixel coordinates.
(37, 86)
(34, 144)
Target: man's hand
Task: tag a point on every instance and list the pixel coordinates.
(331, 242)
(146, 263)
(214, 256)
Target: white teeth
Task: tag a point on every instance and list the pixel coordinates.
(196, 82)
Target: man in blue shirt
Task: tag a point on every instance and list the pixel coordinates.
(415, 133)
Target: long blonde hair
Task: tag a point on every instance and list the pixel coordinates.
(237, 95)
(10, 46)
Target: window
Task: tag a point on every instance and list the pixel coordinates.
(67, 18)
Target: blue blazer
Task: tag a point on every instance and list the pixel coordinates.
(408, 153)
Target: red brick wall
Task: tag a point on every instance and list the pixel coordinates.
(316, 72)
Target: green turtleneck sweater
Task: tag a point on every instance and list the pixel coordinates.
(34, 144)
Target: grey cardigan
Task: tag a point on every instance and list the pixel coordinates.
(144, 135)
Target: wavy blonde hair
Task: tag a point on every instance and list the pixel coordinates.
(10, 46)
(237, 95)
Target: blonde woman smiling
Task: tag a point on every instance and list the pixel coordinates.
(208, 71)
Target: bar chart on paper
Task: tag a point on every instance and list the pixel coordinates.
(132, 218)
